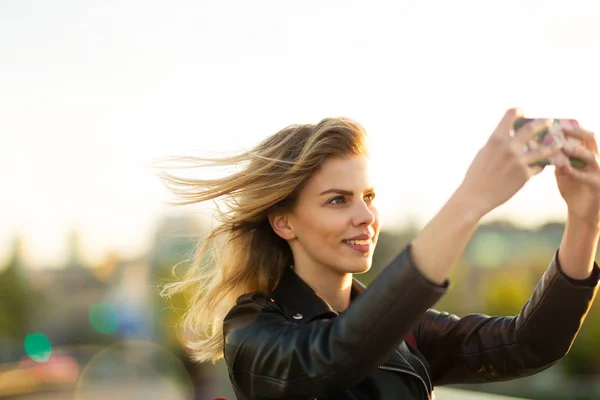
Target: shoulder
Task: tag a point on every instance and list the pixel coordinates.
(250, 308)
(246, 322)
(254, 301)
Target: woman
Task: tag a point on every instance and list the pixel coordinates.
(278, 300)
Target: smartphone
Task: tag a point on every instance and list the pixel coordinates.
(541, 138)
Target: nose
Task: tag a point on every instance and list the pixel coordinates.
(364, 214)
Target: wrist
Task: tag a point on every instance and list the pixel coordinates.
(590, 225)
(471, 205)
(578, 247)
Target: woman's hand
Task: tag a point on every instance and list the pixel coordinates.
(498, 171)
(580, 188)
(502, 167)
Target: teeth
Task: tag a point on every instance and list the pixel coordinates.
(359, 242)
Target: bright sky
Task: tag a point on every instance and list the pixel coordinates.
(92, 91)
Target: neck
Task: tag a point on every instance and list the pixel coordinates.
(332, 286)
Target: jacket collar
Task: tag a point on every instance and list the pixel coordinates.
(300, 303)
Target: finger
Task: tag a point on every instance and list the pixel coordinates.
(580, 152)
(585, 177)
(507, 122)
(529, 130)
(533, 144)
(585, 136)
(540, 154)
(560, 170)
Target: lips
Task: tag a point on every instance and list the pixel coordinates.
(364, 236)
(362, 248)
(361, 243)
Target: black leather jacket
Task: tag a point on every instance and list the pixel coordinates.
(389, 344)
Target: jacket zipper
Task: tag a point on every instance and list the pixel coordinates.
(427, 375)
(429, 394)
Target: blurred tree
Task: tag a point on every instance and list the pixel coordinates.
(175, 245)
(16, 297)
(506, 292)
(177, 239)
(584, 357)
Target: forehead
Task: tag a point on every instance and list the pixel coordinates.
(350, 173)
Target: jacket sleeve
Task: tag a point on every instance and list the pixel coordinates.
(478, 348)
(269, 357)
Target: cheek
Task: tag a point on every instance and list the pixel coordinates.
(325, 229)
(336, 227)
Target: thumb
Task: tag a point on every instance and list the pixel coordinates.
(581, 176)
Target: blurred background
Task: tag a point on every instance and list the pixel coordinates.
(92, 92)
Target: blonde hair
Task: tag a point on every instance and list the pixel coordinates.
(243, 254)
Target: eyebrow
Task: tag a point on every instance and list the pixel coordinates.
(343, 192)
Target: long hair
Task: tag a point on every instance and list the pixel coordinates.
(242, 253)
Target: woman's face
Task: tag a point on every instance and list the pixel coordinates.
(335, 221)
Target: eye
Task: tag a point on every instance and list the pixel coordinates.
(369, 197)
(337, 200)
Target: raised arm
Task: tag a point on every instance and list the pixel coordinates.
(499, 170)
(479, 348)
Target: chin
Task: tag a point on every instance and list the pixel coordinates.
(351, 265)
(360, 268)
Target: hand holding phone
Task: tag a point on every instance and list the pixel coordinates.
(551, 137)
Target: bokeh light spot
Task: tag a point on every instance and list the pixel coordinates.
(134, 370)
(38, 347)
(62, 369)
(103, 318)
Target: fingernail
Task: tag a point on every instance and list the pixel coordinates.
(568, 146)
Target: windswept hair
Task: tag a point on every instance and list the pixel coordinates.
(242, 253)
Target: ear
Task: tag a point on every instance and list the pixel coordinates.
(281, 225)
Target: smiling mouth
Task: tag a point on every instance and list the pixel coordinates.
(364, 242)
(362, 246)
